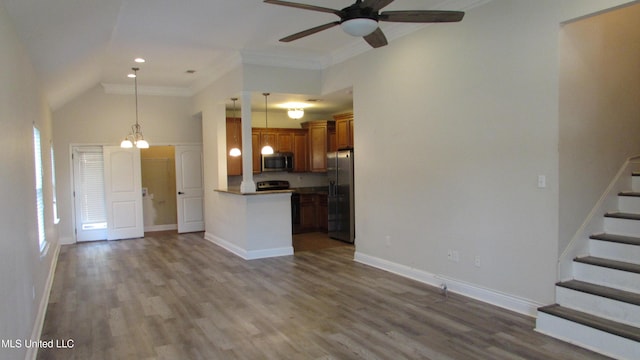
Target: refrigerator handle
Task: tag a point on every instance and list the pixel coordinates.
(332, 188)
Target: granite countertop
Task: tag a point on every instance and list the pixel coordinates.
(237, 192)
(320, 190)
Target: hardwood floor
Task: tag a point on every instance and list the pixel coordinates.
(171, 296)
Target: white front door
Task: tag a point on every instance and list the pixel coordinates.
(123, 193)
(190, 188)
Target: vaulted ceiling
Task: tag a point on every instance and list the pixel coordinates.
(77, 44)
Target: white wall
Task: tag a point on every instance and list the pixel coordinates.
(455, 127)
(99, 118)
(599, 109)
(24, 273)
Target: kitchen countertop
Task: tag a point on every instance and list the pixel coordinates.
(237, 192)
(319, 190)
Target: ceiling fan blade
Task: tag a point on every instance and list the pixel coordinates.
(303, 6)
(308, 32)
(376, 39)
(421, 16)
(376, 4)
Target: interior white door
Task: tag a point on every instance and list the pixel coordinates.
(88, 192)
(123, 193)
(190, 188)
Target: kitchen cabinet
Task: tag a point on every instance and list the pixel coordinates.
(313, 213)
(322, 215)
(307, 212)
(234, 139)
(300, 153)
(344, 131)
(281, 140)
(319, 143)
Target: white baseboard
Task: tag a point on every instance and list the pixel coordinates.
(509, 302)
(66, 240)
(248, 254)
(152, 228)
(32, 352)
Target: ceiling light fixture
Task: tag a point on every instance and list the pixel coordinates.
(266, 149)
(235, 151)
(359, 26)
(135, 137)
(295, 113)
(139, 60)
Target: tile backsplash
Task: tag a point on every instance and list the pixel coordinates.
(296, 180)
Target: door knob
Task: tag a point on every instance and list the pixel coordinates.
(180, 193)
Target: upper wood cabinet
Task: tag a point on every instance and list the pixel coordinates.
(319, 143)
(344, 131)
(234, 139)
(281, 140)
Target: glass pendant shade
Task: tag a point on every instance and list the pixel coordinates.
(267, 150)
(359, 26)
(235, 152)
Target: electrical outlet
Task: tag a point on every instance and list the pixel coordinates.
(456, 256)
(387, 240)
(477, 261)
(450, 255)
(542, 181)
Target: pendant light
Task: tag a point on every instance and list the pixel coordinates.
(235, 151)
(135, 137)
(267, 149)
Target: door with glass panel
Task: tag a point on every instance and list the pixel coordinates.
(89, 200)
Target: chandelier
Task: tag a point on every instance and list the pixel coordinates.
(135, 137)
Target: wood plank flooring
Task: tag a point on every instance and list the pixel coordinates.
(170, 296)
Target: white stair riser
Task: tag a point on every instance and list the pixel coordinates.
(587, 337)
(622, 226)
(614, 251)
(629, 204)
(599, 275)
(600, 306)
(635, 183)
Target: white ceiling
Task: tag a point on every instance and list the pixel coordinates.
(77, 44)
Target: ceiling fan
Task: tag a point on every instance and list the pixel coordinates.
(361, 19)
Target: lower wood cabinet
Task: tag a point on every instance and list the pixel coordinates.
(313, 213)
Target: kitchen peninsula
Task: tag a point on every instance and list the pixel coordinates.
(254, 225)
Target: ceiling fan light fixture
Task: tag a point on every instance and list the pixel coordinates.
(359, 26)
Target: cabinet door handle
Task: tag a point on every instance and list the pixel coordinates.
(180, 193)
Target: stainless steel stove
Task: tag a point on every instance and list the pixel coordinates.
(272, 185)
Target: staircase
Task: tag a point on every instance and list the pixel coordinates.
(599, 309)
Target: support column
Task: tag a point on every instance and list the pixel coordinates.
(247, 185)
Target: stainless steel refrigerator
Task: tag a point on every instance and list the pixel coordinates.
(341, 209)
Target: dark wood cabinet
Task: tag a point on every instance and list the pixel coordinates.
(281, 140)
(319, 143)
(313, 213)
(344, 131)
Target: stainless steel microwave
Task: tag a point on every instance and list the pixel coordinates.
(277, 162)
